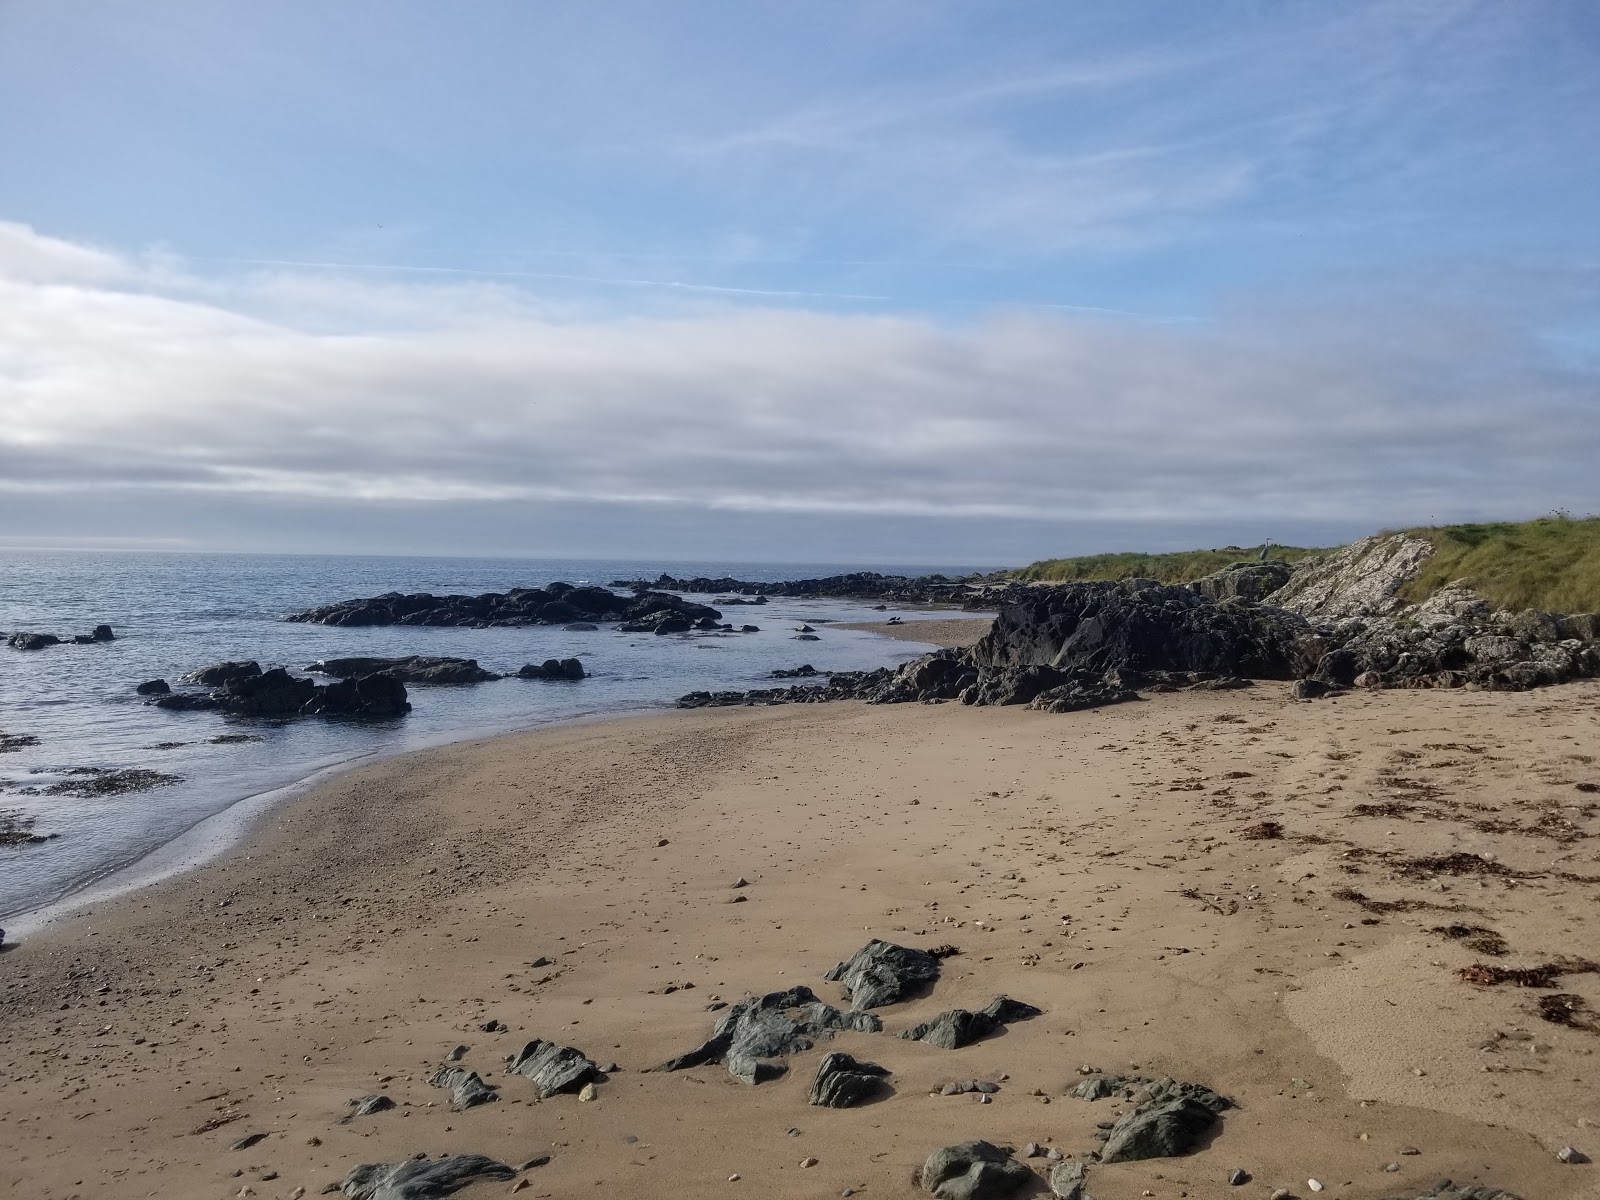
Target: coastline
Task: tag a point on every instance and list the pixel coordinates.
(366, 926)
(947, 632)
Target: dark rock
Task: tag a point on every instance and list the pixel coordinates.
(154, 687)
(804, 671)
(16, 741)
(972, 592)
(420, 1179)
(102, 633)
(843, 1081)
(1312, 689)
(248, 1140)
(960, 1027)
(553, 668)
(416, 668)
(1445, 1189)
(581, 627)
(1172, 1121)
(222, 673)
(553, 1068)
(752, 1036)
(467, 1088)
(274, 693)
(187, 701)
(91, 782)
(32, 641)
(881, 973)
(1238, 1177)
(973, 1171)
(366, 1106)
(371, 696)
(557, 604)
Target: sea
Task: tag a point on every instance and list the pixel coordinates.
(173, 613)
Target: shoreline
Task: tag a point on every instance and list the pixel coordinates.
(368, 924)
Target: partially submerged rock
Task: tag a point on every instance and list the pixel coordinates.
(412, 668)
(753, 1036)
(32, 641)
(960, 1027)
(218, 674)
(881, 973)
(16, 741)
(419, 1179)
(553, 668)
(553, 1068)
(154, 687)
(90, 782)
(843, 1081)
(467, 1088)
(1169, 1119)
(553, 604)
(973, 1171)
(243, 689)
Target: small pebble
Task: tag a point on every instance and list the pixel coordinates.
(588, 1092)
(733, 1179)
(1571, 1154)
(1391, 1167)
(1314, 1184)
(1280, 1194)
(808, 1162)
(1031, 1150)
(1409, 1150)
(524, 1182)
(1053, 1154)
(1238, 1176)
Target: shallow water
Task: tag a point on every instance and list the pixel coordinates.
(175, 612)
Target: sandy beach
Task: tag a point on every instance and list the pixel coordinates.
(1227, 887)
(938, 631)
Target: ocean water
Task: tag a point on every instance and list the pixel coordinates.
(173, 613)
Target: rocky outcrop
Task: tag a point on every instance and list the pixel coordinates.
(32, 641)
(1363, 579)
(555, 604)
(1253, 581)
(973, 1171)
(552, 668)
(961, 1027)
(243, 689)
(756, 1034)
(972, 592)
(882, 973)
(553, 1068)
(843, 1081)
(420, 1179)
(414, 668)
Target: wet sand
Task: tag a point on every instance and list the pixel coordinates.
(1100, 865)
(951, 631)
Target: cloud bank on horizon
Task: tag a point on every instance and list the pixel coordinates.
(1329, 269)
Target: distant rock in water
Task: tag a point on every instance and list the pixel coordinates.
(415, 668)
(218, 674)
(154, 687)
(42, 641)
(972, 591)
(553, 668)
(557, 604)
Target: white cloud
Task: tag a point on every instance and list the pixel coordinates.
(450, 394)
(29, 256)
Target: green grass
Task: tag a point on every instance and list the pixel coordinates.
(1552, 563)
(1178, 567)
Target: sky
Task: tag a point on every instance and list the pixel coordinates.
(878, 281)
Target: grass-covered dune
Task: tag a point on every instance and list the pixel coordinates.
(1552, 563)
(1180, 566)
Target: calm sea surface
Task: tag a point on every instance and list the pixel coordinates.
(175, 612)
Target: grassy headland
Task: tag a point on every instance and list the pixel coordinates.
(1179, 566)
(1551, 563)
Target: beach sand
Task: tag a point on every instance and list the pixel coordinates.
(1097, 864)
(937, 631)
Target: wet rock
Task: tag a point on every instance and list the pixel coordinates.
(16, 741)
(960, 1027)
(371, 696)
(187, 702)
(554, 604)
(973, 1171)
(467, 1088)
(553, 668)
(419, 1179)
(843, 1081)
(1067, 1181)
(553, 1068)
(881, 973)
(218, 674)
(91, 782)
(274, 693)
(415, 668)
(32, 641)
(1172, 1121)
(154, 687)
(753, 1036)
(581, 627)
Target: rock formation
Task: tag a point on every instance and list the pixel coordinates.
(556, 604)
(881, 973)
(973, 1171)
(414, 668)
(961, 1027)
(843, 1081)
(756, 1034)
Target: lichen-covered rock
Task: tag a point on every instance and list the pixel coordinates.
(1243, 581)
(553, 1068)
(754, 1036)
(973, 1171)
(1363, 579)
(843, 1081)
(881, 973)
(419, 1179)
(959, 1027)
(1067, 1181)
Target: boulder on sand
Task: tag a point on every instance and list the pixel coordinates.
(420, 1179)
(843, 1081)
(553, 1068)
(973, 1171)
(881, 973)
(755, 1034)
(960, 1027)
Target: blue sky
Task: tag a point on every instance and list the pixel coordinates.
(911, 280)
